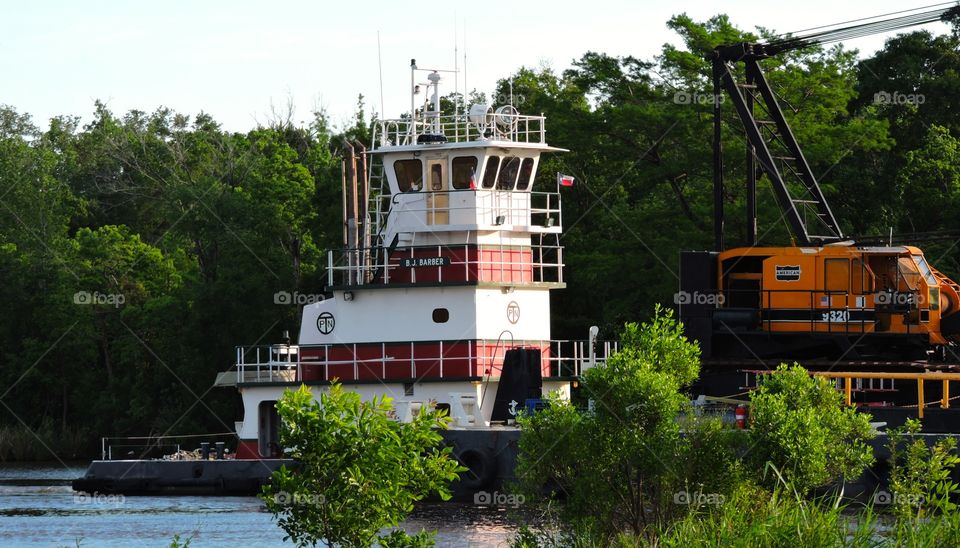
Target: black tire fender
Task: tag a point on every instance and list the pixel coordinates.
(481, 467)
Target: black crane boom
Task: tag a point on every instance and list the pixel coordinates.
(771, 142)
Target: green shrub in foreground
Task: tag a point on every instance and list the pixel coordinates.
(800, 424)
(359, 470)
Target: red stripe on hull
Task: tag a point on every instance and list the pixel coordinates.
(513, 265)
(404, 361)
(248, 450)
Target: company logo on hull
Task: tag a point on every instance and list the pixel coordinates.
(788, 273)
(326, 323)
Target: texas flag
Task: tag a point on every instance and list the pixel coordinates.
(564, 180)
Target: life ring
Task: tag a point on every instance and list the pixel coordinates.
(480, 466)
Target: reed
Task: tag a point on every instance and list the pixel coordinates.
(44, 443)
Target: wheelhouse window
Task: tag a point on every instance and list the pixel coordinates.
(526, 175)
(490, 171)
(464, 172)
(909, 273)
(436, 177)
(508, 173)
(409, 175)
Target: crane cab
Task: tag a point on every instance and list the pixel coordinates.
(827, 302)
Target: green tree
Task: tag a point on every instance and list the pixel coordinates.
(800, 425)
(920, 475)
(930, 181)
(358, 470)
(624, 466)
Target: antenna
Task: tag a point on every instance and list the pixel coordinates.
(383, 114)
(465, 88)
(456, 85)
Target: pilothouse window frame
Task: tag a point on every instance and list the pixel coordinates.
(509, 172)
(490, 169)
(463, 165)
(403, 174)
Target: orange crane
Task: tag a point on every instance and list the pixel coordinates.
(825, 296)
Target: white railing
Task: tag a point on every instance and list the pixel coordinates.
(378, 266)
(268, 363)
(567, 359)
(518, 128)
(489, 208)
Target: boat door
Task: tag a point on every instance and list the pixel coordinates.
(438, 197)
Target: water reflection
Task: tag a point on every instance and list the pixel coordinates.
(38, 508)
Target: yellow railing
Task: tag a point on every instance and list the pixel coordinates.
(920, 378)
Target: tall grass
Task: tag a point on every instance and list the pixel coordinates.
(44, 443)
(755, 517)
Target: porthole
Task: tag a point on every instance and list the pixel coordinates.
(440, 315)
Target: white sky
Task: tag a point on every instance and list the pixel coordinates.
(234, 59)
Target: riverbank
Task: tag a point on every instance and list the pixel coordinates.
(45, 443)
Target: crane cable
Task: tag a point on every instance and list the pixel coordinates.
(941, 12)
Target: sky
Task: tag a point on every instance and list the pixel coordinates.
(239, 61)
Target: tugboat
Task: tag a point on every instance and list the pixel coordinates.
(439, 298)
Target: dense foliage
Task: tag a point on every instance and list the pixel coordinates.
(639, 459)
(801, 427)
(625, 465)
(358, 470)
(198, 228)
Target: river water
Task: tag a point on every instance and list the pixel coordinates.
(38, 508)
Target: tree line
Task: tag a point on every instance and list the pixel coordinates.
(138, 249)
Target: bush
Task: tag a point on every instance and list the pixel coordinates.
(358, 470)
(920, 475)
(629, 464)
(800, 425)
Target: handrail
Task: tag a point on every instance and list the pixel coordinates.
(832, 318)
(106, 448)
(457, 128)
(567, 358)
(540, 262)
(920, 378)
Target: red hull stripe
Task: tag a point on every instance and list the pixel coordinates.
(506, 265)
(403, 361)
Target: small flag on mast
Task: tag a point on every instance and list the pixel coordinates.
(564, 180)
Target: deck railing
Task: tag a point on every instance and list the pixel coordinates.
(541, 263)
(846, 382)
(486, 207)
(282, 363)
(519, 128)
